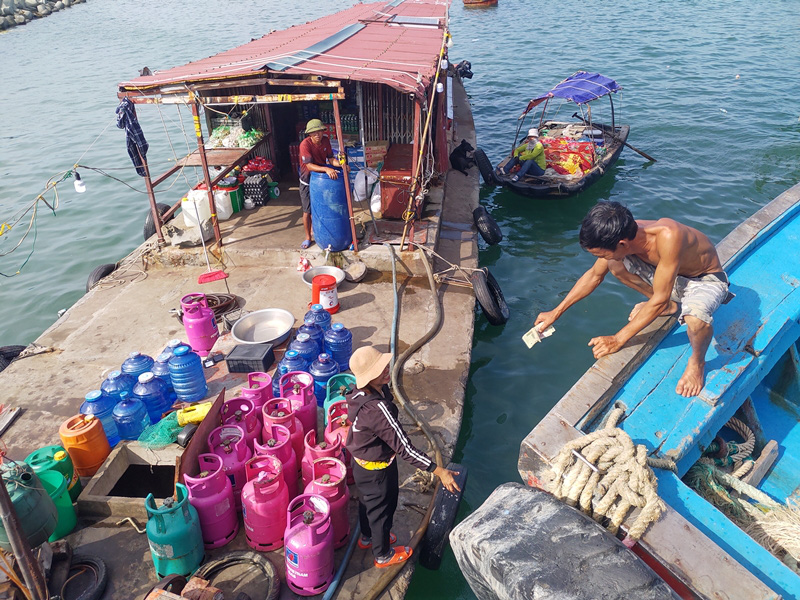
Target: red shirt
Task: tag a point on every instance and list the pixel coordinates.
(313, 153)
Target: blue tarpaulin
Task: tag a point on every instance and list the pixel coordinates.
(582, 87)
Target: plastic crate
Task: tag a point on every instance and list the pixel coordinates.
(250, 358)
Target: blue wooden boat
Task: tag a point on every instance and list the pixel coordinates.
(753, 373)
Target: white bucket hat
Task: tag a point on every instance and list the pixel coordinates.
(533, 132)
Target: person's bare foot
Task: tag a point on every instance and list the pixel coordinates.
(671, 309)
(692, 380)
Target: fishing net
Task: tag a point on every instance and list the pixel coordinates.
(162, 434)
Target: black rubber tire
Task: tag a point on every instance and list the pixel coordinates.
(11, 352)
(490, 297)
(273, 586)
(442, 520)
(150, 227)
(485, 167)
(523, 544)
(98, 273)
(487, 226)
(96, 591)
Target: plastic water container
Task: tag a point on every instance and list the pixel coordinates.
(321, 316)
(116, 383)
(85, 440)
(331, 222)
(136, 364)
(101, 406)
(56, 487)
(131, 417)
(195, 205)
(322, 370)
(339, 344)
(171, 345)
(314, 331)
(291, 361)
(188, 378)
(161, 370)
(55, 458)
(153, 392)
(308, 348)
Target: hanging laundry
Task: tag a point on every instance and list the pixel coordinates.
(137, 145)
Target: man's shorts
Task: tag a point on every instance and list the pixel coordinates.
(698, 296)
(305, 197)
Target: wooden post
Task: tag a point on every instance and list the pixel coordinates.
(416, 166)
(204, 161)
(152, 195)
(273, 154)
(345, 172)
(20, 546)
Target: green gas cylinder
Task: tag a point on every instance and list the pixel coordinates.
(34, 508)
(55, 458)
(173, 531)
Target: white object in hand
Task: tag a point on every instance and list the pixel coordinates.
(534, 336)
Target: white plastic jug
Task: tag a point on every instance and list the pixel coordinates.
(195, 205)
(222, 200)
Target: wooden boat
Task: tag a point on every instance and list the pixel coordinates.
(579, 152)
(479, 3)
(753, 374)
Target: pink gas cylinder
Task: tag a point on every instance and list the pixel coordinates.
(199, 323)
(279, 411)
(298, 387)
(241, 412)
(229, 443)
(211, 493)
(314, 451)
(337, 428)
(278, 443)
(309, 545)
(258, 389)
(265, 499)
(329, 481)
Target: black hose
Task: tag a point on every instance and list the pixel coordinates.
(272, 586)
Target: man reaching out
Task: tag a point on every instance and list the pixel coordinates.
(674, 265)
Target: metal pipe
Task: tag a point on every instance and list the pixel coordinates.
(152, 196)
(28, 565)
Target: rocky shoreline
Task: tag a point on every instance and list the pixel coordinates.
(19, 12)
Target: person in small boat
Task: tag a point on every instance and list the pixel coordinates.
(674, 265)
(531, 154)
(315, 154)
(376, 438)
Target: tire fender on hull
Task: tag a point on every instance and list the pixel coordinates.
(98, 273)
(488, 228)
(490, 297)
(442, 520)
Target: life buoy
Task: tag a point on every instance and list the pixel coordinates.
(99, 272)
(490, 297)
(485, 167)
(442, 520)
(487, 226)
(149, 227)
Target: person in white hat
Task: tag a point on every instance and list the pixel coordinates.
(375, 439)
(531, 154)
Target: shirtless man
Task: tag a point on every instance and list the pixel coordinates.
(674, 265)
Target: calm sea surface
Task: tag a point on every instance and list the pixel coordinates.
(710, 90)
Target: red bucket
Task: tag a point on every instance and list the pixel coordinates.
(323, 291)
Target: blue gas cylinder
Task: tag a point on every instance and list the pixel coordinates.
(188, 377)
(339, 344)
(321, 316)
(307, 347)
(314, 331)
(116, 383)
(321, 370)
(130, 416)
(161, 370)
(291, 361)
(136, 364)
(331, 223)
(153, 392)
(101, 406)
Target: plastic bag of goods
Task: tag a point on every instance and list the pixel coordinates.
(363, 183)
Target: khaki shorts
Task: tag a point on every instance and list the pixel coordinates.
(698, 296)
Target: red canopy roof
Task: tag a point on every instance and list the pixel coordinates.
(396, 44)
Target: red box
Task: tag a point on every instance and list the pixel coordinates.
(396, 181)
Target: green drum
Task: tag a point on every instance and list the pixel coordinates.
(35, 509)
(55, 458)
(56, 487)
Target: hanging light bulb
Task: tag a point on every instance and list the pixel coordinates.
(444, 64)
(449, 42)
(80, 186)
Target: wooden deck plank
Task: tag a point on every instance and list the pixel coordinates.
(763, 464)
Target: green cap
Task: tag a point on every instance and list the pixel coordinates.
(314, 125)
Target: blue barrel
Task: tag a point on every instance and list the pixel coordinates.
(339, 344)
(116, 383)
(153, 392)
(130, 416)
(291, 361)
(188, 377)
(305, 346)
(321, 370)
(321, 316)
(314, 331)
(161, 370)
(330, 218)
(136, 364)
(101, 406)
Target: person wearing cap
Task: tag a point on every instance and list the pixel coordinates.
(376, 438)
(315, 154)
(531, 154)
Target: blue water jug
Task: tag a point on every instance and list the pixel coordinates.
(161, 370)
(116, 383)
(171, 345)
(321, 316)
(101, 406)
(307, 347)
(136, 364)
(130, 416)
(314, 331)
(331, 223)
(291, 361)
(339, 344)
(153, 392)
(188, 377)
(321, 370)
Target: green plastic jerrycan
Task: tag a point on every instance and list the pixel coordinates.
(55, 458)
(35, 509)
(173, 531)
(56, 487)
(337, 387)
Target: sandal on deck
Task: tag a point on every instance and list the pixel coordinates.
(366, 545)
(400, 554)
(305, 244)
